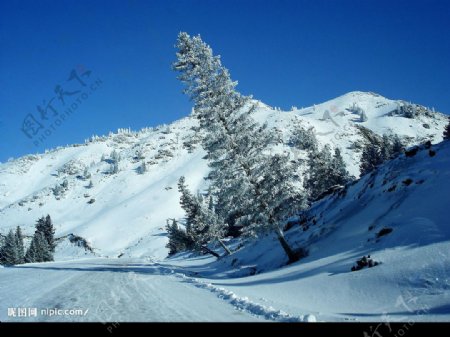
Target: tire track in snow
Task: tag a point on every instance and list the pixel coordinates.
(243, 303)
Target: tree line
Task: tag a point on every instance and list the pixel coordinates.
(41, 248)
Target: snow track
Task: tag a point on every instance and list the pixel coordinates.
(243, 303)
(113, 290)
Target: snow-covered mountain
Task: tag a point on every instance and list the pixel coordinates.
(125, 213)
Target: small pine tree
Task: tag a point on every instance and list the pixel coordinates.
(319, 169)
(303, 139)
(397, 145)
(86, 174)
(91, 184)
(338, 173)
(114, 168)
(44, 250)
(142, 168)
(19, 244)
(371, 158)
(385, 148)
(45, 226)
(31, 254)
(202, 223)
(178, 238)
(363, 117)
(9, 254)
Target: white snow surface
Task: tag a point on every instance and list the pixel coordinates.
(128, 217)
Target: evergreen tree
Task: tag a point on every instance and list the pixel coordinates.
(236, 145)
(39, 250)
(363, 117)
(325, 171)
(86, 174)
(114, 167)
(142, 168)
(31, 254)
(371, 157)
(45, 226)
(386, 150)
(9, 255)
(339, 174)
(397, 145)
(19, 244)
(319, 177)
(178, 238)
(44, 252)
(303, 139)
(447, 131)
(202, 224)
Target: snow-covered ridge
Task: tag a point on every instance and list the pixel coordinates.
(397, 216)
(125, 213)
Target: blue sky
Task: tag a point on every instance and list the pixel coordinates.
(283, 52)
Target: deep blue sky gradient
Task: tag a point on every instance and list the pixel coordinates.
(283, 52)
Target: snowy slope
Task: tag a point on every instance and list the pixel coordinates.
(409, 196)
(129, 212)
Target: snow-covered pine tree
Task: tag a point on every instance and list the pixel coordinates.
(303, 139)
(319, 177)
(236, 145)
(19, 244)
(114, 167)
(142, 168)
(363, 116)
(386, 150)
(9, 255)
(202, 224)
(86, 174)
(187, 202)
(45, 226)
(31, 254)
(42, 249)
(178, 238)
(397, 145)
(339, 174)
(371, 157)
(447, 131)
(91, 184)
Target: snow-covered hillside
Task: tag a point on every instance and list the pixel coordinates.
(125, 213)
(397, 216)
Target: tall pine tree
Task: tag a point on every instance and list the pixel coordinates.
(9, 255)
(45, 226)
(43, 243)
(237, 147)
(19, 244)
